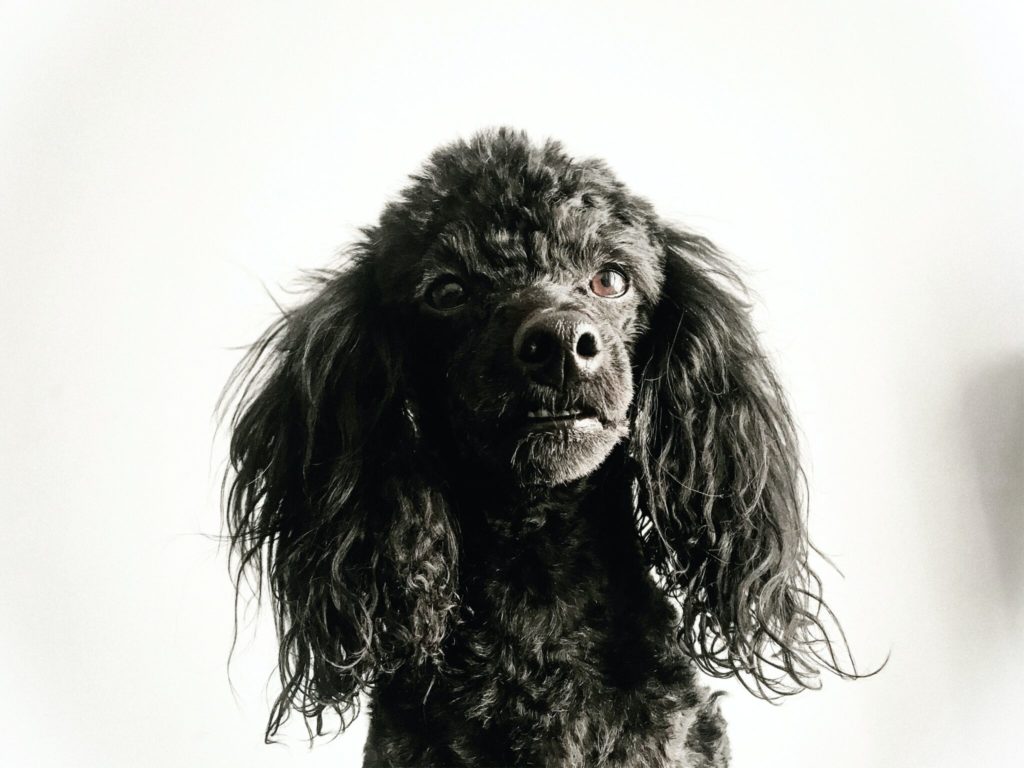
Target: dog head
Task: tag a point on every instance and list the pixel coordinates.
(523, 281)
(516, 315)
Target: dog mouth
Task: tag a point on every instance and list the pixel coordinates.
(582, 419)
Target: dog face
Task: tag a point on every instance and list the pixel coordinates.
(524, 321)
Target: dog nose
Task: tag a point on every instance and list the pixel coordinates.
(554, 347)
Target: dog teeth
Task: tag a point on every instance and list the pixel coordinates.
(543, 413)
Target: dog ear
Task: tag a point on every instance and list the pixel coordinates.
(327, 504)
(720, 489)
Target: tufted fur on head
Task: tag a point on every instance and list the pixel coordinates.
(418, 450)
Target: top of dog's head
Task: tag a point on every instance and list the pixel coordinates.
(514, 316)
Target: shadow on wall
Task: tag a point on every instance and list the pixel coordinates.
(995, 422)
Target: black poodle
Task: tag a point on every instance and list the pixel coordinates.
(516, 471)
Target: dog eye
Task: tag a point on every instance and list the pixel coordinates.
(609, 283)
(446, 293)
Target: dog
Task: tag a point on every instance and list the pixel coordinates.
(516, 471)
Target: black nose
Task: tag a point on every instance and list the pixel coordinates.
(555, 347)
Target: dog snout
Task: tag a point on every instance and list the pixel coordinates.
(555, 347)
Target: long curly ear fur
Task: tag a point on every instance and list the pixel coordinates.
(720, 489)
(328, 504)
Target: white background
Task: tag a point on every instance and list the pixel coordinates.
(160, 162)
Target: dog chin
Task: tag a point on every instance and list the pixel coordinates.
(559, 455)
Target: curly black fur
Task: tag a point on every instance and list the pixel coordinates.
(505, 589)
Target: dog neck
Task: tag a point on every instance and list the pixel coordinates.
(551, 546)
(507, 510)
